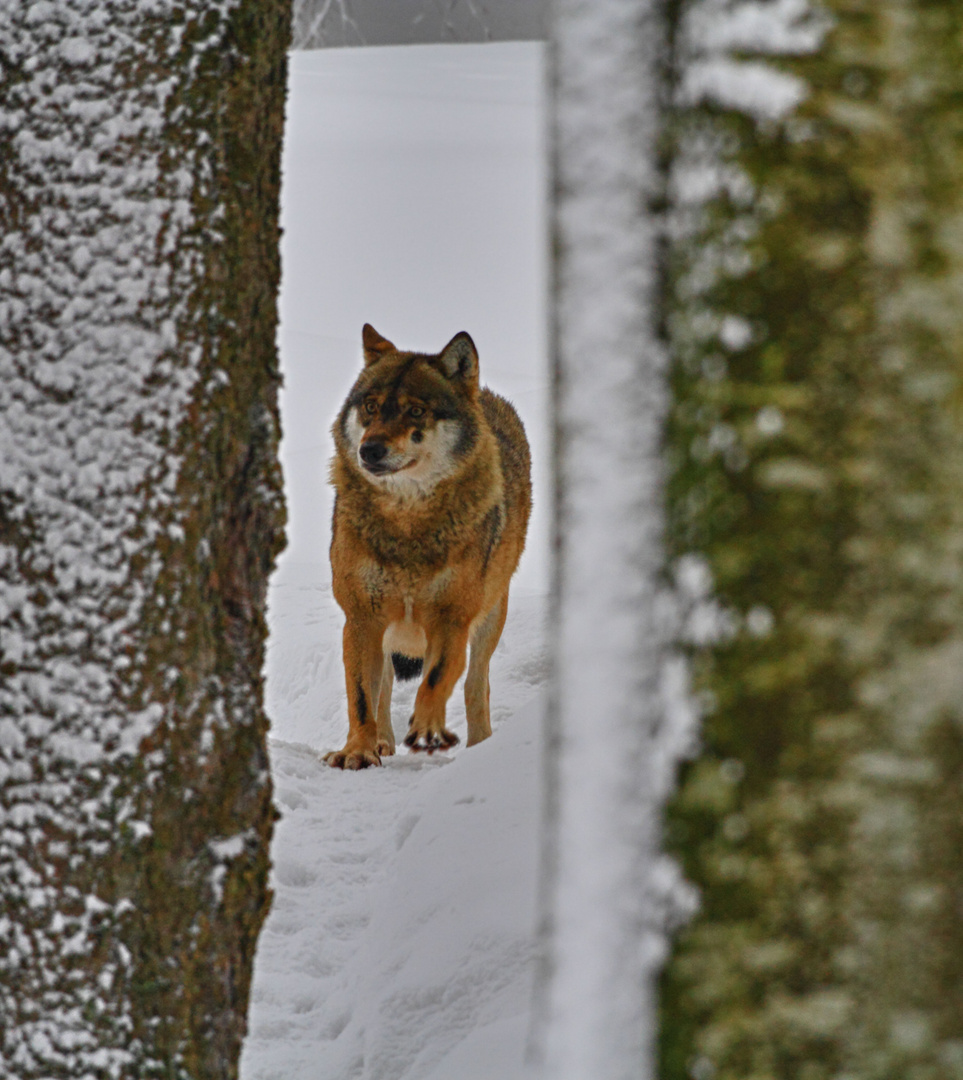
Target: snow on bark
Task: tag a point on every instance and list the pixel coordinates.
(91, 392)
(613, 742)
(109, 217)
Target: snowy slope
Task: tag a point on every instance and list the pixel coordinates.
(400, 943)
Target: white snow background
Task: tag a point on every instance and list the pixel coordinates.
(400, 945)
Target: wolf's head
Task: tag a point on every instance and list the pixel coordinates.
(411, 419)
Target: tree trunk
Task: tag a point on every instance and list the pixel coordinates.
(817, 468)
(140, 514)
(610, 748)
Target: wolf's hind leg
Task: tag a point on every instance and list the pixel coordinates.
(477, 688)
(386, 735)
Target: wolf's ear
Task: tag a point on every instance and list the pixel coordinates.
(375, 346)
(459, 358)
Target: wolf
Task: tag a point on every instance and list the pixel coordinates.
(432, 479)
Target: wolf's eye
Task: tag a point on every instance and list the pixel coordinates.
(416, 411)
(370, 408)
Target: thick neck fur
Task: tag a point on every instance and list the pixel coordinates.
(403, 527)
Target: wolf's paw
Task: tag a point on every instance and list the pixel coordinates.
(352, 759)
(384, 748)
(430, 740)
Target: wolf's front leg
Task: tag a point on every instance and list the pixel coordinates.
(386, 735)
(444, 663)
(363, 662)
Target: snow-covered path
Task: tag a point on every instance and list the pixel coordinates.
(400, 943)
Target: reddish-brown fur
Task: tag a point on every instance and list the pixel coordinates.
(425, 540)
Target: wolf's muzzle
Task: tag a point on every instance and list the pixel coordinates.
(372, 455)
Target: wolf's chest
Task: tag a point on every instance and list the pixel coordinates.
(401, 591)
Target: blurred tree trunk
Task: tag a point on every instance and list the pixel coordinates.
(817, 469)
(140, 514)
(611, 747)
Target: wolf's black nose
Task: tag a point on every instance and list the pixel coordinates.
(372, 452)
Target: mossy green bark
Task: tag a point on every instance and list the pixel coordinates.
(133, 869)
(817, 466)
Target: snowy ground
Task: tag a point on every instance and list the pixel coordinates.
(400, 944)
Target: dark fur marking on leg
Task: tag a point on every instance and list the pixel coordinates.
(493, 527)
(435, 674)
(362, 702)
(406, 667)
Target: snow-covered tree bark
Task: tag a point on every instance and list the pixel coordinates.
(610, 745)
(817, 470)
(140, 513)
